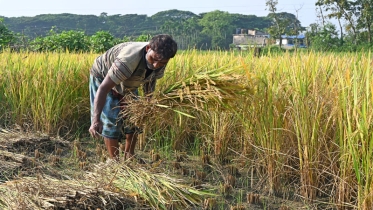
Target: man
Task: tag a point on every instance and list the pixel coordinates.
(117, 73)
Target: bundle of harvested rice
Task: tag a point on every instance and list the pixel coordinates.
(215, 88)
(159, 190)
(110, 186)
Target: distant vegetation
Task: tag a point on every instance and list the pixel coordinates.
(211, 30)
(206, 31)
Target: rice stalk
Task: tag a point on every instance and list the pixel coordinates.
(44, 90)
(356, 134)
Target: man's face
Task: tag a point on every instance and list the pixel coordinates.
(153, 60)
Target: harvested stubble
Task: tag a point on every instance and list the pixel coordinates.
(215, 88)
(109, 186)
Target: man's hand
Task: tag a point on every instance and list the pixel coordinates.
(96, 129)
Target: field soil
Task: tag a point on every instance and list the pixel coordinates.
(233, 180)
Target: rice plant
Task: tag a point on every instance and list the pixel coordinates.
(301, 121)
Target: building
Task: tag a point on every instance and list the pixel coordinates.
(289, 42)
(244, 38)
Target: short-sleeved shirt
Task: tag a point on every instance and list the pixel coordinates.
(125, 64)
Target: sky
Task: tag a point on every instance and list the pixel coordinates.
(17, 8)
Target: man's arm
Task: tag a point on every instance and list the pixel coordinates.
(99, 104)
(149, 87)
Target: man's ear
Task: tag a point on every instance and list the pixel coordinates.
(147, 48)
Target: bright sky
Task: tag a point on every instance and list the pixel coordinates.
(18, 8)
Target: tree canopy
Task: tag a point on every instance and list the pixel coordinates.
(206, 31)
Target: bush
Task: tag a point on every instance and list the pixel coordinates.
(102, 41)
(73, 41)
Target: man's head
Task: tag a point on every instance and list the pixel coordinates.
(164, 46)
(160, 50)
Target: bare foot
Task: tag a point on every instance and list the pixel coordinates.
(128, 156)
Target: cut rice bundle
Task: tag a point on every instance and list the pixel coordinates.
(109, 186)
(213, 89)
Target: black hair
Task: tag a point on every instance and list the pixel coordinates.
(164, 46)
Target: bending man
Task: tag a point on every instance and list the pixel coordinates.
(117, 73)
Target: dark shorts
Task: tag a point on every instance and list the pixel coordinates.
(112, 123)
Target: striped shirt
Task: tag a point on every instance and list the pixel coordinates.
(125, 64)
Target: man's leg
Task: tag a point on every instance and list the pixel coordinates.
(112, 147)
(131, 140)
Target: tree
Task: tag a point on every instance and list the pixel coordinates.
(341, 9)
(186, 32)
(6, 36)
(173, 15)
(250, 21)
(204, 31)
(297, 26)
(280, 21)
(219, 26)
(365, 20)
(322, 38)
